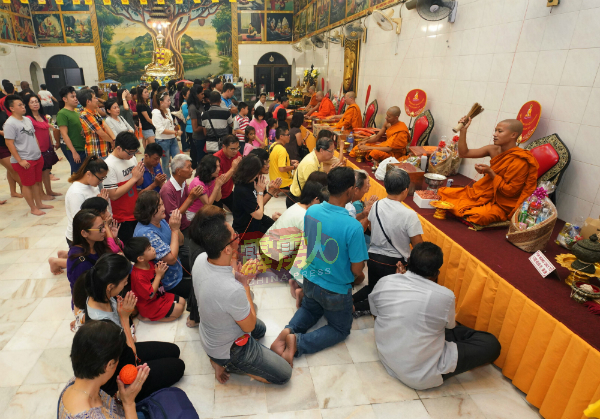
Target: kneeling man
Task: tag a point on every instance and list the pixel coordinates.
(417, 338)
(510, 178)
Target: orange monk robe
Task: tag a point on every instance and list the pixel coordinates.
(313, 100)
(352, 118)
(397, 138)
(326, 109)
(490, 201)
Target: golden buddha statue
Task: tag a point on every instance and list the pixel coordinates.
(161, 65)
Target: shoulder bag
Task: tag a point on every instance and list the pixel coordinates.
(386, 236)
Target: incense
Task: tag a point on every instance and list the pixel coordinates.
(476, 109)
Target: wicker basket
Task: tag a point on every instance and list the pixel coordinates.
(448, 167)
(534, 238)
(319, 127)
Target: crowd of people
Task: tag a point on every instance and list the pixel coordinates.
(150, 239)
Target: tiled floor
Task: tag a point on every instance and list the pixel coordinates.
(345, 381)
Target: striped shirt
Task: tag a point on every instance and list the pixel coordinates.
(242, 122)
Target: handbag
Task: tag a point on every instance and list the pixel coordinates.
(167, 403)
(213, 146)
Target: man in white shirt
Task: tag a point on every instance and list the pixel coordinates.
(417, 337)
(261, 101)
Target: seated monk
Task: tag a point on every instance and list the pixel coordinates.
(510, 178)
(324, 109)
(397, 138)
(312, 105)
(352, 118)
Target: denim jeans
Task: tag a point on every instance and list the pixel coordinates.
(256, 359)
(170, 149)
(74, 166)
(318, 302)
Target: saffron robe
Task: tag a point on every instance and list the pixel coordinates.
(325, 109)
(352, 118)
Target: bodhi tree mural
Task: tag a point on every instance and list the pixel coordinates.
(199, 35)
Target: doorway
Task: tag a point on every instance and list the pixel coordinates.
(36, 76)
(62, 70)
(272, 74)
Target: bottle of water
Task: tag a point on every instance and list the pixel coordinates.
(350, 141)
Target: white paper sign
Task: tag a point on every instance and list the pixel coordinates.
(541, 263)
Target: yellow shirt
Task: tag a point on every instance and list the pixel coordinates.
(308, 165)
(279, 158)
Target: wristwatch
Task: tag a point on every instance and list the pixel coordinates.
(261, 193)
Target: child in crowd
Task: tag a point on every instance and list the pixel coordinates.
(153, 302)
(251, 140)
(240, 122)
(271, 129)
(207, 176)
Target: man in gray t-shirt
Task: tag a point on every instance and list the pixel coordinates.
(23, 134)
(229, 328)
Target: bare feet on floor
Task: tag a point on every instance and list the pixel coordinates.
(52, 177)
(3, 202)
(290, 349)
(37, 212)
(55, 193)
(46, 206)
(47, 198)
(278, 346)
(16, 195)
(220, 374)
(191, 323)
(55, 268)
(62, 254)
(299, 296)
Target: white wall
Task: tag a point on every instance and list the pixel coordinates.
(15, 66)
(500, 53)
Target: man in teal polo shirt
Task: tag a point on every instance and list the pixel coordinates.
(335, 261)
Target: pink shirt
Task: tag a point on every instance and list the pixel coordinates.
(42, 133)
(260, 128)
(208, 190)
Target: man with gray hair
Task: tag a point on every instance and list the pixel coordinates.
(361, 187)
(394, 228)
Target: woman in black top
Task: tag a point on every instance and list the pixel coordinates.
(145, 115)
(250, 195)
(195, 109)
(296, 140)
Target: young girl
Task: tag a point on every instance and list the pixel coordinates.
(251, 140)
(144, 114)
(103, 284)
(153, 302)
(272, 125)
(166, 134)
(207, 176)
(260, 126)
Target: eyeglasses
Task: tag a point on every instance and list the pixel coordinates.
(101, 229)
(100, 179)
(131, 153)
(236, 237)
(235, 149)
(331, 151)
(284, 135)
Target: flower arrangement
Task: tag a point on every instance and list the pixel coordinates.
(310, 76)
(296, 93)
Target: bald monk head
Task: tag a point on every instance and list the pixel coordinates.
(311, 89)
(392, 115)
(507, 133)
(350, 98)
(319, 96)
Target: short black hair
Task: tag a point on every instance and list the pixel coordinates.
(260, 111)
(261, 153)
(324, 133)
(205, 213)
(154, 85)
(63, 93)
(135, 247)
(323, 143)
(279, 131)
(215, 97)
(10, 88)
(152, 149)
(10, 99)
(396, 181)
(179, 86)
(426, 259)
(43, 86)
(146, 206)
(111, 268)
(95, 203)
(113, 88)
(215, 82)
(206, 168)
(84, 96)
(228, 86)
(311, 191)
(95, 344)
(297, 120)
(281, 115)
(242, 105)
(109, 103)
(207, 94)
(340, 179)
(230, 139)
(127, 141)
(261, 95)
(248, 169)
(284, 99)
(214, 236)
(277, 98)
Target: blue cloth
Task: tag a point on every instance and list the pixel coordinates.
(228, 102)
(334, 240)
(149, 177)
(188, 124)
(318, 302)
(170, 149)
(160, 239)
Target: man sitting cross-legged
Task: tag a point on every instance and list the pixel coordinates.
(417, 337)
(229, 328)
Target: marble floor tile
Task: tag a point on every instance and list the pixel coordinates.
(380, 387)
(6, 395)
(61, 287)
(35, 255)
(412, 409)
(5, 241)
(20, 243)
(35, 288)
(301, 414)
(196, 360)
(32, 335)
(338, 386)
(299, 362)
(241, 395)
(453, 407)
(275, 319)
(296, 394)
(9, 287)
(270, 298)
(15, 365)
(9, 257)
(334, 355)
(7, 331)
(22, 270)
(63, 337)
(149, 331)
(483, 380)
(53, 366)
(361, 345)
(364, 322)
(49, 242)
(504, 404)
(55, 308)
(451, 387)
(14, 231)
(201, 391)
(362, 412)
(185, 333)
(35, 401)
(17, 310)
(39, 230)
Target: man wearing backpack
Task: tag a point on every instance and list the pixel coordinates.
(217, 122)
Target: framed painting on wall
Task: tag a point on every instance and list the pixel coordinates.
(48, 28)
(279, 27)
(338, 11)
(50, 6)
(19, 8)
(322, 13)
(6, 27)
(251, 5)
(302, 18)
(78, 28)
(356, 6)
(251, 27)
(24, 30)
(311, 17)
(280, 5)
(70, 7)
(302, 4)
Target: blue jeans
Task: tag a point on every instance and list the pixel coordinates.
(318, 302)
(170, 149)
(74, 166)
(256, 359)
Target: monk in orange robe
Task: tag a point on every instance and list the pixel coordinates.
(324, 109)
(397, 135)
(510, 178)
(352, 118)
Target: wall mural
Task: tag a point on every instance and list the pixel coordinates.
(15, 23)
(62, 24)
(277, 17)
(200, 37)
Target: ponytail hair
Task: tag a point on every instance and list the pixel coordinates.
(93, 164)
(111, 268)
